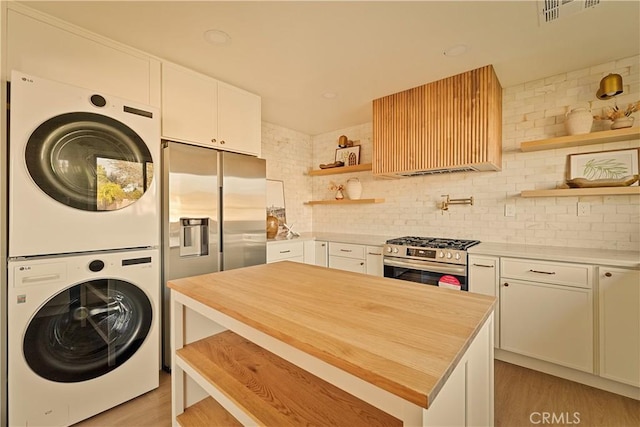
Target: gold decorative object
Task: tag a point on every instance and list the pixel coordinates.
(610, 86)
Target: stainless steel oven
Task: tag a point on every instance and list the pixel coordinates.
(427, 260)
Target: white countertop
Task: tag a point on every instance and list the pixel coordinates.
(356, 239)
(627, 259)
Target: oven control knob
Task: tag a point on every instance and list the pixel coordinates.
(395, 250)
(389, 249)
(441, 254)
(457, 256)
(448, 255)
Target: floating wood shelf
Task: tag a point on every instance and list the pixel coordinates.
(343, 202)
(578, 140)
(569, 192)
(341, 169)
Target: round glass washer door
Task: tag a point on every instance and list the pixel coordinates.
(87, 330)
(89, 161)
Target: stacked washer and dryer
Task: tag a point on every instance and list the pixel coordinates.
(84, 263)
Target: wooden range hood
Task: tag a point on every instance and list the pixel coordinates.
(451, 125)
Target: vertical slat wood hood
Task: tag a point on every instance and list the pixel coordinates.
(451, 124)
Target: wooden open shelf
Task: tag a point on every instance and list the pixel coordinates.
(578, 140)
(341, 169)
(274, 391)
(569, 192)
(343, 202)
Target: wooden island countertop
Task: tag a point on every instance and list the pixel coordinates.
(403, 337)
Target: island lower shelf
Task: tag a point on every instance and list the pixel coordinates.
(270, 388)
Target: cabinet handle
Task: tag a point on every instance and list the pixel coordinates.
(213, 140)
(542, 272)
(222, 142)
(323, 245)
(285, 252)
(346, 250)
(362, 263)
(608, 274)
(506, 285)
(372, 253)
(482, 265)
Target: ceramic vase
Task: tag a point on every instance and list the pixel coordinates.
(354, 188)
(272, 226)
(339, 195)
(578, 121)
(622, 122)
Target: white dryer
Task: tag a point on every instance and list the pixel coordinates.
(83, 334)
(84, 170)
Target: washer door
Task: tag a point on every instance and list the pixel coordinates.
(87, 330)
(89, 161)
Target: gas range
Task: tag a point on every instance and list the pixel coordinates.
(451, 251)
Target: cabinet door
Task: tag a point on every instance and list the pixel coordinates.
(374, 262)
(547, 322)
(484, 279)
(74, 57)
(348, 264)
(189, 106)
(321, 257)
(239, 120)
(619, 311)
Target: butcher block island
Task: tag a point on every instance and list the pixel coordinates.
(288, 344)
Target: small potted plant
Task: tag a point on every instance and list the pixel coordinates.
(338, 188)
(621, 118)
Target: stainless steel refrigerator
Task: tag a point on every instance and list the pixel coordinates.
(213, 213)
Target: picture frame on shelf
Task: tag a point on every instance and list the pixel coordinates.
(350, 156)
(604, 166)
(275, 202)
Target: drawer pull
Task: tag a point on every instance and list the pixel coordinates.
(362, 263)
(285, 252)
(543, 272)
(608, 274)
(373, 253)
(506, 285)
(346, 250)
(482, 265)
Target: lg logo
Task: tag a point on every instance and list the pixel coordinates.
(565, 418)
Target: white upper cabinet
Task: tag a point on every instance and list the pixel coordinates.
(43, 48)
(204, 111)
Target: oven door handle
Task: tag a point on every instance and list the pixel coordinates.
(427, 266)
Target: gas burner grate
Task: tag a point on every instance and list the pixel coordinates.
(433, 242)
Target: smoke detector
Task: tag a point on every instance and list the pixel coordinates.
(553, 10)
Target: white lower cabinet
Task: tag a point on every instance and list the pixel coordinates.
(619, 319)
(285, 251)
(315, 253)
(374, 262)
(547, 321)
(346, 256)
(484, 278)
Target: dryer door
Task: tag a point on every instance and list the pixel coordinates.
(89, 161)
(87, 330)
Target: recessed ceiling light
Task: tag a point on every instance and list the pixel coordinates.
(329, 95)
(456, 50)
(217, 37)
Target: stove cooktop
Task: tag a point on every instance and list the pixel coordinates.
(433, 242)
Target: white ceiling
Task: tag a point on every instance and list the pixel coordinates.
(292, 52)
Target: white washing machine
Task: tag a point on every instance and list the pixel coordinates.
(84, 170)
(83, 334)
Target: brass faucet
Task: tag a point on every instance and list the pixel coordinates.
(445, 203)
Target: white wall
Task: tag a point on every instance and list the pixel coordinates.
(531, 111)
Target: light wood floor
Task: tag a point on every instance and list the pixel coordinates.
(522, 397)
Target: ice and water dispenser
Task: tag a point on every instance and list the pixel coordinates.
(194, 236)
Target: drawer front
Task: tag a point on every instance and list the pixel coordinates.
(347, 250)
(347, 264)
(280, 251)
(547, 272)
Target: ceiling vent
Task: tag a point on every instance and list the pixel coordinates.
(553, 10)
